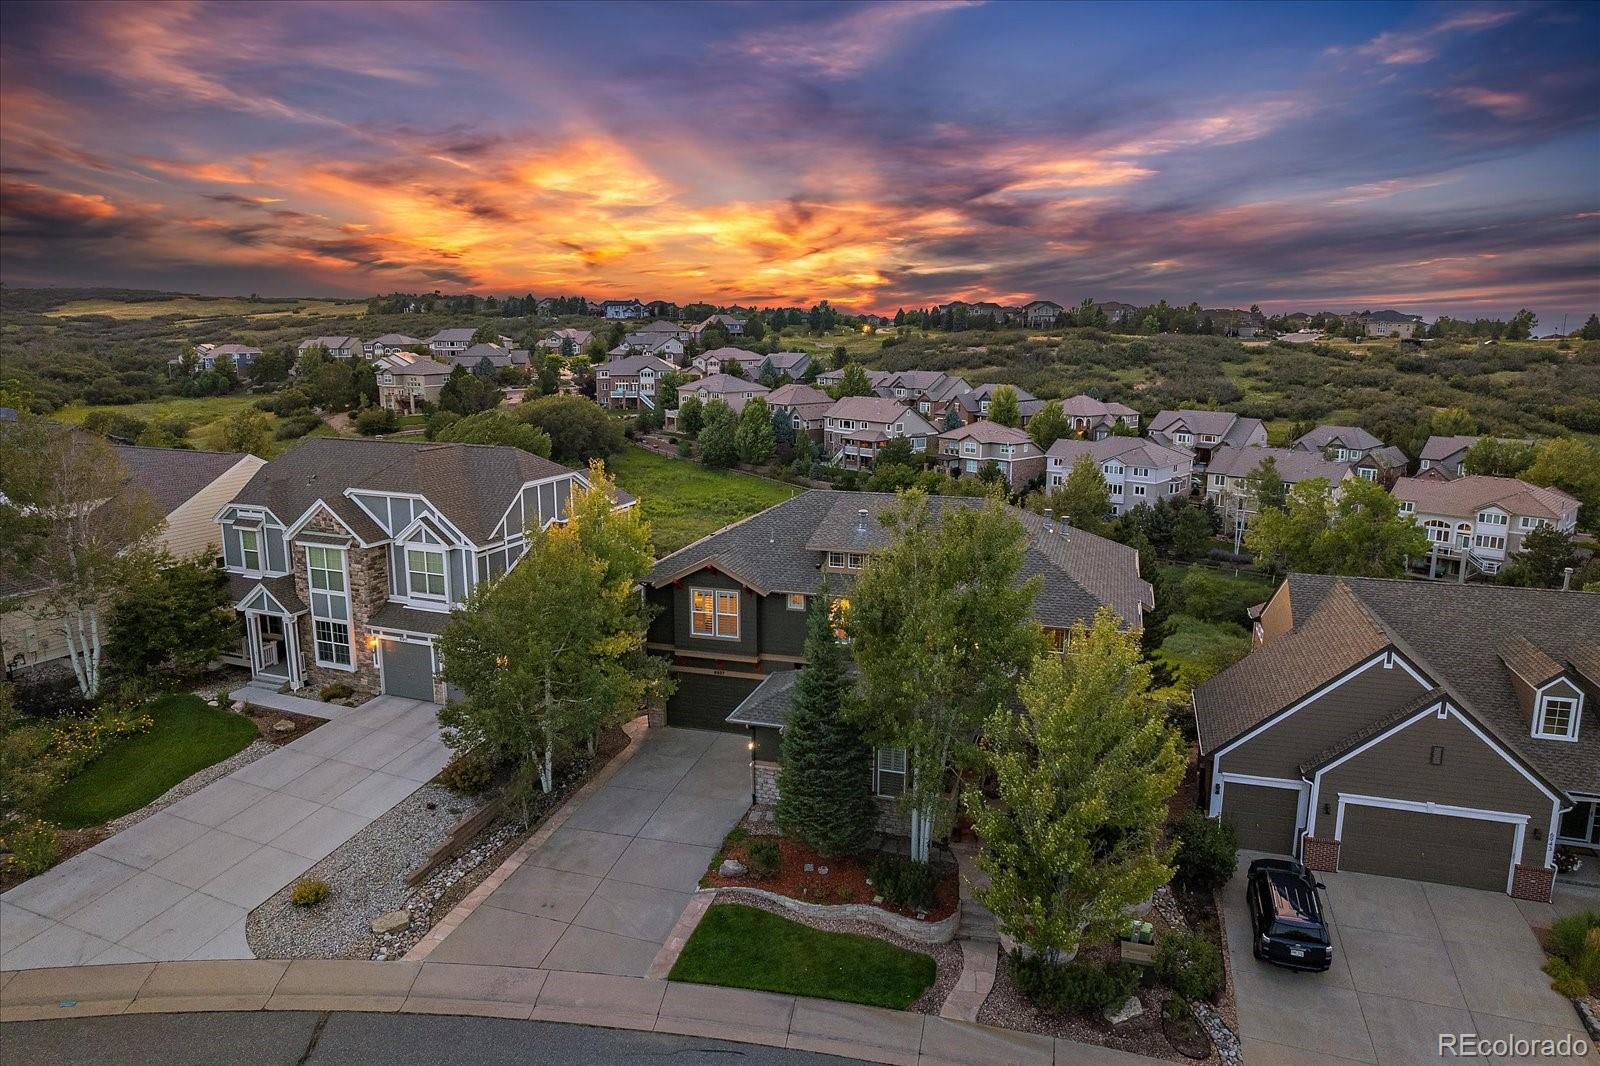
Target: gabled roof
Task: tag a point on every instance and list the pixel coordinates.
(232, 348)
(795, 393)
(661, 325)
(1440, 448)
(396, 340)
(1082, 406)
(1200, 423)
(987, 432)
(471, 484)
(1135, 451)
(739, 355)
(1464, 496)
(171, 477)
(632, 364)
(769, 703)
(776, 551)
(1388, 457)
(1350, 436)
(1294, 464)
(330, 342)
(724, 384)
(972, 399)
(869, 409)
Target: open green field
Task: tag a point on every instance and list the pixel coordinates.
(683, 501)
(742, 947)
(190, 307)
(206, 413)
(188, 736)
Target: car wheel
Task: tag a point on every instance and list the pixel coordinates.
(1255, 949)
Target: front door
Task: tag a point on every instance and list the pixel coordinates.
(271, 646)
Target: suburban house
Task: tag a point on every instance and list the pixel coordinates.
(1096, 419)
(1390, 324)
(1344, 444)
(733, 327)
(207, 355)
(622, 309)
(1385, 465)
(579, 338)
(663, 345)
(346, 556)
(1478, 521)
(663, 327)
(1229, 467)
(807, 406)
(793, 364)
(452, 342)
(1302, 336)
(389, 344)
(1363, 735)
(1041, 312)
(878, 379)
(629, 380)
(1136, 470)
(974, 403)
(486, 360)
(336, 347)
(407, 380)
(735, 392)
(1202, 432)
(1445, 457)
(733, 607)
(856, 428)
(716, 361)
(966, 450)
(931, 392)
(185, 486)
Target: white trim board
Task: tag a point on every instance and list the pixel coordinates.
(1520, 821)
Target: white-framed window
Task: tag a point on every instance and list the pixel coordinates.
(1183, 438)
(1366, 473)
(796, 601)
(1112, 469)
(714, 613)
(330, 606)
(1219, 480)
(1489, 540)
(836, 560)
(857, 561)
(1138, 490)
(250, 549)
(1491, 518)
(889, 772)
(1407, 507)
(1558, 718)
(425, 573)
(1529, 523)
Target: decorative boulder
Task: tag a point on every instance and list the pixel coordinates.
(732, 868)
(1125, 1013)
(393, 922)
(283, 725)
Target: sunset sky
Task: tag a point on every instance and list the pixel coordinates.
(1429, 157)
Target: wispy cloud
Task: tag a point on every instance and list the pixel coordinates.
(1406, 47)
(847, 44)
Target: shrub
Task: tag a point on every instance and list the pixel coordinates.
(336, 691)
(685, 448)
(285, 402)
(1575, 941)
(308, 892)
(1190, 965)
(31, 849)
(1208, 852)
(296, 426)
(376, 420)
(467, 775)
(904, 884)
(763, 858)
(1079, 987)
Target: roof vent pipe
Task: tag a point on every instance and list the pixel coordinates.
(1566, 579)
(1049, 516)
(861, 520)
(1066, 528)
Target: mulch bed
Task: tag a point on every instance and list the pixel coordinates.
(265, 719)
(846, 880)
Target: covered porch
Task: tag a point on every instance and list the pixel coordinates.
(272, 638)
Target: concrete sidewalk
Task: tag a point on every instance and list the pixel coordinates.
(866, 1033)
(179, 884)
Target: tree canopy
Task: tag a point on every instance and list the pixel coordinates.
(1360, 534)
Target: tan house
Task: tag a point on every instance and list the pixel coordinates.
(1478, 521)
(406, 380)
(966, 450)
(1226, 474)
(1201, 432)
(1363, 735)
(807, 407)
(856, 428)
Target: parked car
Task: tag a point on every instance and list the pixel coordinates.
(1286, 923)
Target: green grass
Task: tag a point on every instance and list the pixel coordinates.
(741, 947)
(203, 309)
(188, 736)
(199, 408)
(683, 501)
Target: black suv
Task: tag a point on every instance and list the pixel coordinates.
(1286, 923)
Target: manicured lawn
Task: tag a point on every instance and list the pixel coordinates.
(742, 947)
(683, 501)
(188, 736)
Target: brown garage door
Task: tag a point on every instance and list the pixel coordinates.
(1426, 847)
(704, 701)
(1262, 816)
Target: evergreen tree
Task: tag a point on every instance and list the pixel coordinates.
(1591, 329)
(825, 788)
(1084, 499)
(854, 383)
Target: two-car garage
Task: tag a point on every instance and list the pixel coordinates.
(1428, 846)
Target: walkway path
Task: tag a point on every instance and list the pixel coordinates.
(178, 884)
(602, 893)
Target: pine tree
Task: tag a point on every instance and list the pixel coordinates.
(824, 788)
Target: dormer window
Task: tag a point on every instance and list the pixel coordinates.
(425, 573)
(1557, 718)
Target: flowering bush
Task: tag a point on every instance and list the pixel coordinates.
(31, 849)
(39, 756)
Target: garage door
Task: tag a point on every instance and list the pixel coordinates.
(1426, 847)
(1262, 816)
(408, 670)
(704, 701)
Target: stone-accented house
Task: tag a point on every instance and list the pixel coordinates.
(1202, 432)
(733, 606)
(629, 381)
(407, 380)
(1096, 419)
(389, 344)
(731, 325)
(807, 406)
(974, 403)
(931, 392)
(346, 556)
(1445, 456)
(185, 486)
(1342, 444)
(1229, 467)
(1136, 470)
(1364, 735)
(336, 347)
(966, 450)
(856, 428)
(1041, 313)
(1479, 521)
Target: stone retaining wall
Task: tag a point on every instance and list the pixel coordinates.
(940, 932)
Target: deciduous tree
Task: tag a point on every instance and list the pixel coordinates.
(497, 427)
(717, 445)
(854, 383)
(177, 620)
(753, 438)
(1362, 534)
(1084, 499)
(1003, 407)
(1572, 466)
(1048, 425)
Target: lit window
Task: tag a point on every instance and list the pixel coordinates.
(1056, 640)
(891, 772)
(797, 601)
(838, 615)
(1558, 718)
(425, 572)
(250, 546)
(714, 613)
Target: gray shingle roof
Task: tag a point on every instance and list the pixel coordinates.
(1131, 450)
(1294, 465)
(282, 589)
(777, 551)
(769, 704)
(172, 477)
(1351, 436)
(409, 619)
(1440, 448)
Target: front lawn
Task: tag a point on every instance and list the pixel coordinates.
(683, 501)
(742, 947)
(188, 736)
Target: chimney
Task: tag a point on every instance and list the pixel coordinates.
(1049, 516)
(1566, 579)
(861, 520)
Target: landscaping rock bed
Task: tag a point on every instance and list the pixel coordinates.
(366, 877)
(946, 957)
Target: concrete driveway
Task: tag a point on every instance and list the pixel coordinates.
(602, 894)
(1412, 960)
(178, 884)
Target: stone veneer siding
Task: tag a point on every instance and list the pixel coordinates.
(766, 783)
(368, 576)
(891, 819)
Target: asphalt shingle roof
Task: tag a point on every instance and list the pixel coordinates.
(770, 702)
(1464, 496)
(1352, 436)
(172, 477)
(1294, 464)
(1440, 448)
(1136, 451)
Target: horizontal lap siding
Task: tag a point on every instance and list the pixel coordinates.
(1471, 774)
(1263, 817)
(1427, 847)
